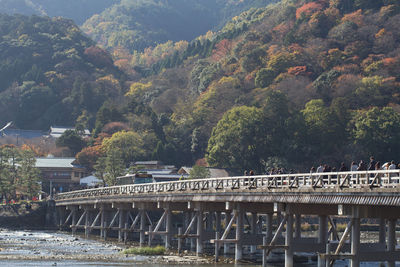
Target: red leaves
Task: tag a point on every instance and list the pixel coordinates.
(309, 9)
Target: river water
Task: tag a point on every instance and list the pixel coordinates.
(38, 248)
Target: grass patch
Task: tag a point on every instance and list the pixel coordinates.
(159, 250)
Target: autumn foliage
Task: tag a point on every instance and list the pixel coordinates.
(308, 9)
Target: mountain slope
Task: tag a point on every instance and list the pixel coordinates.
(136, 25)
(50, 72)
(321, 72)
(79, 11)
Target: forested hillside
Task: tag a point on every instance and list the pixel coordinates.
(288, 85)
(50, 73)
(294, 84)
(136, 25)
(77, 10)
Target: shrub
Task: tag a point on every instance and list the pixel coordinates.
(158, 250)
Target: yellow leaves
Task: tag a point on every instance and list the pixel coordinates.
(138, 88)
(234, 82)
(381, 33)
(23, 37)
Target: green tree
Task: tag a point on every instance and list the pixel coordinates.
(199, 172)
(321, 128)
(28, 174)
(238, 139)
(114, 166)
(377, 131)
(129, 143)
(265, 77)
(100, 169)
(72, 140)
(9, 157)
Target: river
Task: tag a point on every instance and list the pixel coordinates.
(39, 248)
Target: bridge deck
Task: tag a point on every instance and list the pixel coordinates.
(356, 188)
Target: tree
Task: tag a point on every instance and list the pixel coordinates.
(114, 166)
(130, 144)
(88, 156)
(100, 169)
(28, 174)
(199, 172)
(265, 77)
(377, 131)
(238, 139)
(9, 159)
(72, 140)
(321, 127)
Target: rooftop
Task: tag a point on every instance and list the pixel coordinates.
(56, 163)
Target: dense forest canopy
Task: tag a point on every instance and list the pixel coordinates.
(288, 85)
(51, 73)
(320, 80)
(136, 25)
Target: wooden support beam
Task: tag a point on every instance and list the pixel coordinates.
(114, 219)
(278, 232)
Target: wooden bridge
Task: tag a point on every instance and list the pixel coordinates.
(253, 214)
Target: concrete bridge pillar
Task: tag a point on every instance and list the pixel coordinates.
(253, 228)
(102, 219)
(200, 231)
(228, 217)
(239, 233)
(168, 228)
(142, 229)
(297, 223)
(218, 221)
(268, 224)
(391, 245)
(121, 223)
(209, 221)
(322, 235)
(382, 231)
(193, 241)
(355, 242)
(289, 242)
(87, 221)
(73, 219)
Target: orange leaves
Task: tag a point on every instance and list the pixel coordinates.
(222, 49)
(356, 17)
(380, 33)
(309, 9)
(98, 56)
(298, 70)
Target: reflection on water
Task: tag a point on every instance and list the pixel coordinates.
(34, 248)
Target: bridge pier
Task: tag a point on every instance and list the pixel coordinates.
(391, 246)
(239, 233)
(289, 241)
(200, 231)
(228, 217)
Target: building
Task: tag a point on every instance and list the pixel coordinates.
(22, 134)
(150, 164)
(57, 131)
(63, 174)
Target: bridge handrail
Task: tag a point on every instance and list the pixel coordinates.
(350, 179)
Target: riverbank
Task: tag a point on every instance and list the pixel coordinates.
(55, 248)
(26, 215)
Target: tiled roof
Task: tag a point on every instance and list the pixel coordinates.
(27, 134)
(56, 163)
(57, 131)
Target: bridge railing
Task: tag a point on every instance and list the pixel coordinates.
(341, 180)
